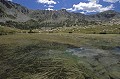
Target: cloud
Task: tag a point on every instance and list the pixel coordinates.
(49, 9)
(111, 1)
(83, 12)
(50, 6)
(91, 6)
(71, 9)
(9, 0)
(46, 2)
(95, 1)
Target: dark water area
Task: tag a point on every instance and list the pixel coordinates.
(75, 49)
(92, 52)
(117, 48)
(84, 51)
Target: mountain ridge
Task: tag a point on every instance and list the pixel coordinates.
(11, 12)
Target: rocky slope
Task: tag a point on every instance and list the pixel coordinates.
(110, 16)
(13, 11)
(16, 15)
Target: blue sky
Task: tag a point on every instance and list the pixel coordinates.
(81, 6)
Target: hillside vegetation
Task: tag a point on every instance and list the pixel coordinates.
(47, 56)
(7, 30)
(90, 29)
(43, 44)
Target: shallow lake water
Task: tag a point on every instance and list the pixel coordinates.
(88, 52)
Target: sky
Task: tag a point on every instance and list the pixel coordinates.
(80, 6)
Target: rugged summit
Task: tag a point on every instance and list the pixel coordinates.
(13, 11)
(107, 16)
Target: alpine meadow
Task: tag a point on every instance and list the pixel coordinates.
(81, 42)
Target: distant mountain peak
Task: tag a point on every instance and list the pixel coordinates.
(10, 11)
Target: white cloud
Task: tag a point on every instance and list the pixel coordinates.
(49, 9)
(83, 12)
(91, 6)
(71, 9)
(9, 0)
(50, 6)
(46, 1)
(95, 1)
(112, 1)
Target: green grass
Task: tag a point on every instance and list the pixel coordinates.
(92, 29)
(44, 56)
(7, 30)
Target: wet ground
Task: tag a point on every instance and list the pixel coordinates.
(59, 56)
(98, 60)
